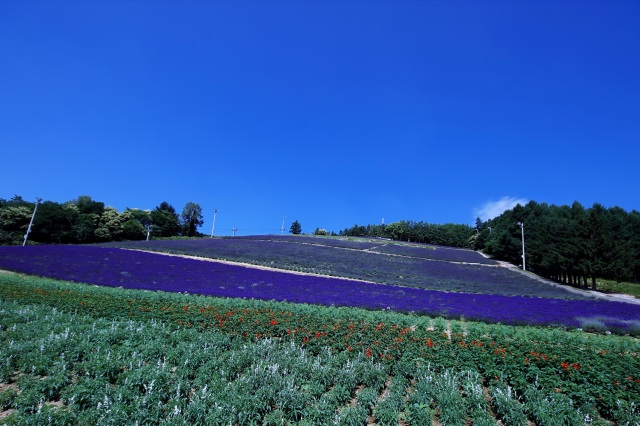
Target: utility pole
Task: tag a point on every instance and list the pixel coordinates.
(215, 211)
(38, 201)
(524, 268)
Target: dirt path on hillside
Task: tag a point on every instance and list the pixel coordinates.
(613, 297)
(371, 250)
(253, 266)
(626, 298)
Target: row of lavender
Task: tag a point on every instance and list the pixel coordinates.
(381, 245)
(361, 264)
(138, 270)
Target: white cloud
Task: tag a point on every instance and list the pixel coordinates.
(491, 209)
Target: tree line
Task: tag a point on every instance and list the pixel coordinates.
(449, 234)
(85, 220)
(569, 244)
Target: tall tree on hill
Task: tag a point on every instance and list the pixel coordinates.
(110, 225)
(165, 221)
(88, 219)
(54, 223)
(605, 244)
(14, 219)
(134, 223)
(191, 219)
(296, 228)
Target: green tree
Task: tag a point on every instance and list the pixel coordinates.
(54, 224)
(296, 228)
(109, 226)
(165, 220)
(135, 223)
(320, 231)
(88, 219)
(191, 219)
(15, 215)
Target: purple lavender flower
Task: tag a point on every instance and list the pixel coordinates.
(139, 270)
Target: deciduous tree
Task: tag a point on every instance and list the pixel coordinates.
(191, 219)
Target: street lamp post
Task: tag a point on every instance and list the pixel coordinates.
(215, 211)
(38, 200)
(524, 268)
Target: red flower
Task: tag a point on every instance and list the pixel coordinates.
(273, 322)
(368, 353)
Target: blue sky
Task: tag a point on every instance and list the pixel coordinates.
(329, 112)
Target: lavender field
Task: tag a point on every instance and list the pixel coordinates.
(380, 261)
(117, 267)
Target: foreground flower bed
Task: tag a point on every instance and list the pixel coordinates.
(139, 270)
(79, 354)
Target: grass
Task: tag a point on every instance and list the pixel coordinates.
(610, 286)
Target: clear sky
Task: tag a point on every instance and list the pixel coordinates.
(329, 112)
